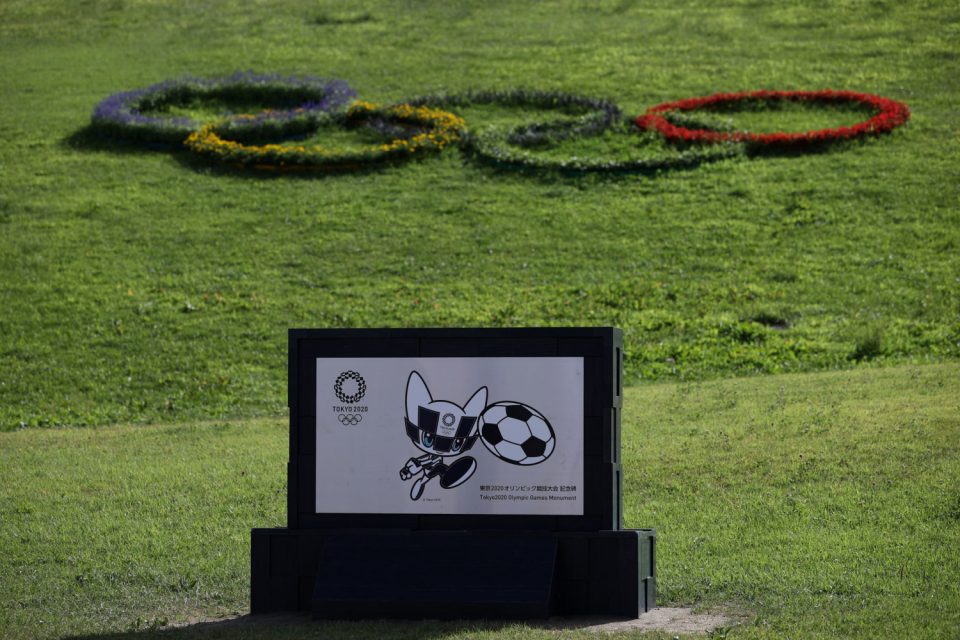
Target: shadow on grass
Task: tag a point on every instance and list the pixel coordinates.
(755, 152)
(300, 625)
(88, 140)
(197, 164)
(549, 175)
(341, 19)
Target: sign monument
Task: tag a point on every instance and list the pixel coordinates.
(454, 473)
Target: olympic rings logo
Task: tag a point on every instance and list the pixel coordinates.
(352, 419)
(361, 387)
(419, 125)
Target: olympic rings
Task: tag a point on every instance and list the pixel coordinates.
(418, 126)
(352, 419)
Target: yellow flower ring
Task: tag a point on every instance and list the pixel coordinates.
(433, 130)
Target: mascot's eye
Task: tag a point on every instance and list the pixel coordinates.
(457, 443)
(427, 439)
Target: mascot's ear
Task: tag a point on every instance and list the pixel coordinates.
(477, 403)
(417, 396)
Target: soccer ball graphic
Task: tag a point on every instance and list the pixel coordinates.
(516, 433)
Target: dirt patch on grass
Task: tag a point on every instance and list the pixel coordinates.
(673, 620)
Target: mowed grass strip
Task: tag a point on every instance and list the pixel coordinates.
(103, 526)
(819, 505)
(828, 504)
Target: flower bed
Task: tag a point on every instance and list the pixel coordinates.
(493, 148)
(418, 126)
(125, 115)
(889, 114)
(427, 129)
(604, 114)
(500, 146)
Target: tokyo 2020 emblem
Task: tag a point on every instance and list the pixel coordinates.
(345, 396)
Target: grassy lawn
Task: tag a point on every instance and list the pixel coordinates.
(153, 290)
(142, 286)
(823, 505)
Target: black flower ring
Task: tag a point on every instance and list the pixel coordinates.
(361, 387)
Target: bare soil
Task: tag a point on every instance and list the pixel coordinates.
(672, 620)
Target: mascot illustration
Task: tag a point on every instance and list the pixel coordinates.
(443, 430)
(512, 431)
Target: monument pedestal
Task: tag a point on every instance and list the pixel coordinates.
(421, 574)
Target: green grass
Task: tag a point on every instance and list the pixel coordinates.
(771, 116)
(623, 142)
(142, 287)
(104, 526)
(206, 110)
(797, 499)
(791, 494)
(336, 137)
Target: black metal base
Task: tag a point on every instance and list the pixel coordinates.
(439, 577)
(404, 574)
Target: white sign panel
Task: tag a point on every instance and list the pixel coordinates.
(490, 436)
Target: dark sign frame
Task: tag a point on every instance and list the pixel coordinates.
(601, 349)
(600, 568)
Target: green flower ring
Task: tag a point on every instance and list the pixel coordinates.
(492, 147)
(426, 130)
(498, 146)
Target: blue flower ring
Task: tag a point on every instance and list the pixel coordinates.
(136, 116)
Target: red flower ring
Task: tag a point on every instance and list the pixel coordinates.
(890, 115)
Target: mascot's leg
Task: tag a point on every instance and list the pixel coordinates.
(458, 473)
(438, 470)
(417, 489)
